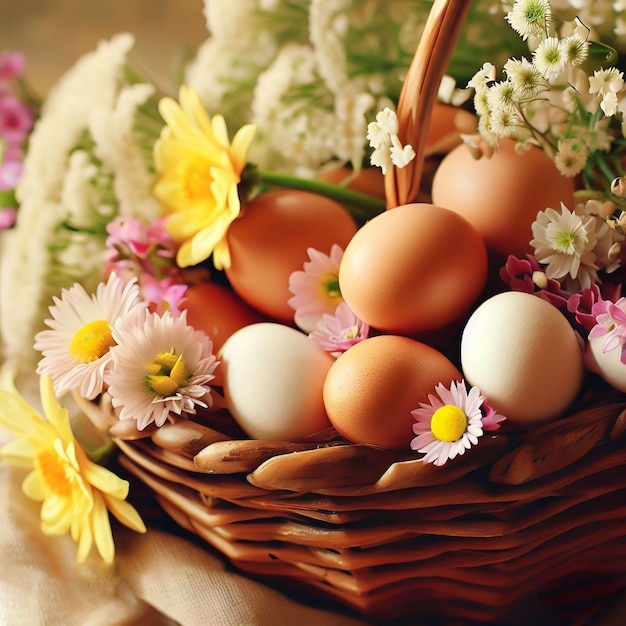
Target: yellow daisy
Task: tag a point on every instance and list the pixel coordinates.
(198, 171)
(76, 493)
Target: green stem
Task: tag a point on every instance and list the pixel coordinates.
(360, 205)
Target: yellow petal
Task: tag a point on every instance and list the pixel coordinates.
(19, 453)
(15, 413)
(102, 530)
(125, 513)
(58, 416)
(81, 533)
(56, 515)
(105, 480)
(33, 487)
(241, 145)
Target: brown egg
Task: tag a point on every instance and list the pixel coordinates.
(413, 268)
(218, 312)
(369, 180)
(271, 239)
(446, 124)
(501, 196)
(371, 389)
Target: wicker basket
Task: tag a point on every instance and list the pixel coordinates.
(522, 521)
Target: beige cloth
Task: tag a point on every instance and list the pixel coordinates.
(157, 580)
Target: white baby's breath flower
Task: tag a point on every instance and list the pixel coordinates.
(605, 81)
(383, 137)
(504, 121)
(571, 156)
(530, 18)
(401, 155)
(79, 193)
(26, 283)
(483, 77)
(606, 84)
(575, 48)
(122, 156)
(501, 95)
(549, 58)
(527, 80)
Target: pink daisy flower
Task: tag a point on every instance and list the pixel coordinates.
(160, 365)
(316, 288)
(341, 330)
(448, 425)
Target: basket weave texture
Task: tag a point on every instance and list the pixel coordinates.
(522, 519)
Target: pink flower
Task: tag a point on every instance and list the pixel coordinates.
(10, 174)
(581, 304)
(611, 324)
(160, 366)
(7, 218)
(16, 119)
(451, 422)
(316, 288)
(12, 65)
(527, 275)
(146, 253)
(163, 295)
(341, 330)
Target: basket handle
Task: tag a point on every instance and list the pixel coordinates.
(419, 93)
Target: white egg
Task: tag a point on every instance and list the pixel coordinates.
(273, 381)
(524, 356)
(606, 364)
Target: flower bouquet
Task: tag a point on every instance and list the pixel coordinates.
(371, 347)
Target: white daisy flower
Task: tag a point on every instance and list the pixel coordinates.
(160, 365)
(575, 48)
(530, 18)
(76, 347)
(501, 95)
(448, 425)
(527, 80)
(571, 156)
(563, 243)
(549, 58)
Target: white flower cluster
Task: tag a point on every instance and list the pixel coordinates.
(85, 164)
(383, 137)
(575, 245)
(311, 74)
(550, 100)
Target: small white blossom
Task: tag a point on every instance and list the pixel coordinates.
(607, 84)
(401, 155)
(565, 245)
(575, 48)
(383, 137)
(571, 156)
(527, 80)
(549, 58)
(530, 18)
(483, 77)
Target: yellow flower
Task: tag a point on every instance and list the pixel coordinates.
(76, 493)
(198, 172)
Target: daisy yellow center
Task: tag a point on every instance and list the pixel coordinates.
(92, 341)
(448, 423)
(198, 181)
(53, 471)
(166, 374)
